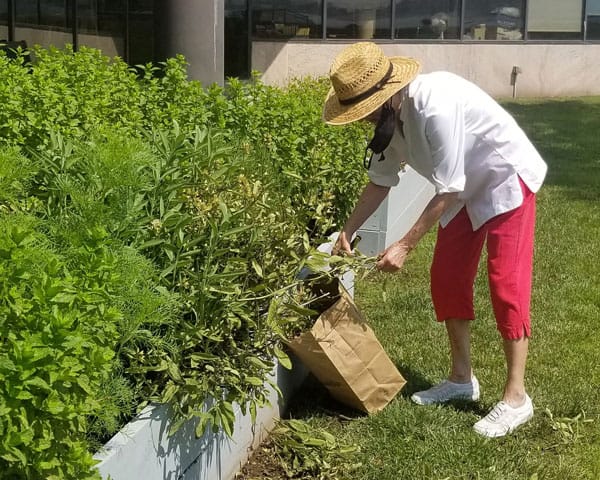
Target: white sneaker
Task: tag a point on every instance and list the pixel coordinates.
(503, 419)
(447, 390)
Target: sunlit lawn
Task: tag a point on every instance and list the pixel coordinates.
(406, 441)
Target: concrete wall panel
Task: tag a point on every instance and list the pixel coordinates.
(547, 70)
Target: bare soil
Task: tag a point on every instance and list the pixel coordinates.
(312, 399)
(262, 465)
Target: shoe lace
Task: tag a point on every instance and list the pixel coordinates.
(497, 411)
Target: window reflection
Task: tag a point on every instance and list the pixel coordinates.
(287, 18)
(3, 20)
(438, 19)
(237, 61)
(593, 19)
(52, 13)
(101, 24)
(142, 31)
(554, 19)
(27, 12)
(43, 22)
(358, 19)
(493, 20)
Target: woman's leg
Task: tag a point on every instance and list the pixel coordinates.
(459, 334)
(453, 272)
(510, 259)
(516, 357)
(510, 263)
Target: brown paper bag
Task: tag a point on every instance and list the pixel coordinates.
(343, 353)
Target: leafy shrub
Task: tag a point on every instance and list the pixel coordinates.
(57, 339)
(225, 238)
(320, 163)
(83, 93)
(76, 94)
(15, 177)
(108, 292)
(170, 217)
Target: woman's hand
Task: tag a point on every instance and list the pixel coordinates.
(392, 258)
(342, 245)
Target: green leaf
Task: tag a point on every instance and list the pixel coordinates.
(169, 393)
(53, 404)
(254, 381)
(173, 371)
(84, 383)
(283, 358)
(203, 421)
(24, 395)
(14, 455)
(235, 231)
(151, 243)
(257, 362)
(7, 364)
(203, 357)
(64, 298)
(37, 382)
(301, 310)
(257, 268)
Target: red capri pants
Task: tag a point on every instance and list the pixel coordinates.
(510, 257)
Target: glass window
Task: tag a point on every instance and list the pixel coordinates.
(427, 19)
(3, 20)
(592, 19)
(359, 19)
(52, 13)
(237, 61)
(27, 12)
(43, 22)
(101, 25)
(142, 31)
(287, 18)
(493, 20)
(554, 19)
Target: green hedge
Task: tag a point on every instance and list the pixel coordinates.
(149, 228)
(86, 92)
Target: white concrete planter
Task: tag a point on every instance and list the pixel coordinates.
(143, 449)
(396, 214)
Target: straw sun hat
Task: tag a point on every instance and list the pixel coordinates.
(362, 79)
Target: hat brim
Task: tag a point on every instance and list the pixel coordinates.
(405, 69)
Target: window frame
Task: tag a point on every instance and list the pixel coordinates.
(524, 40)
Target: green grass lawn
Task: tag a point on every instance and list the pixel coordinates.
(406, 441)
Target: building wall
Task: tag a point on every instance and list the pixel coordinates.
(548, 70)
(110, 45)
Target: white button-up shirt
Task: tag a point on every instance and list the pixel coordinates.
(457, 137)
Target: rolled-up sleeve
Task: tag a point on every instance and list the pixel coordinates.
(444, 131)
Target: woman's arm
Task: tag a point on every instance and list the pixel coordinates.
(392, 258)
(370, 198)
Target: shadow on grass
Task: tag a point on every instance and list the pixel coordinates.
(415, 382)
(315, 400)
(565, 134)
